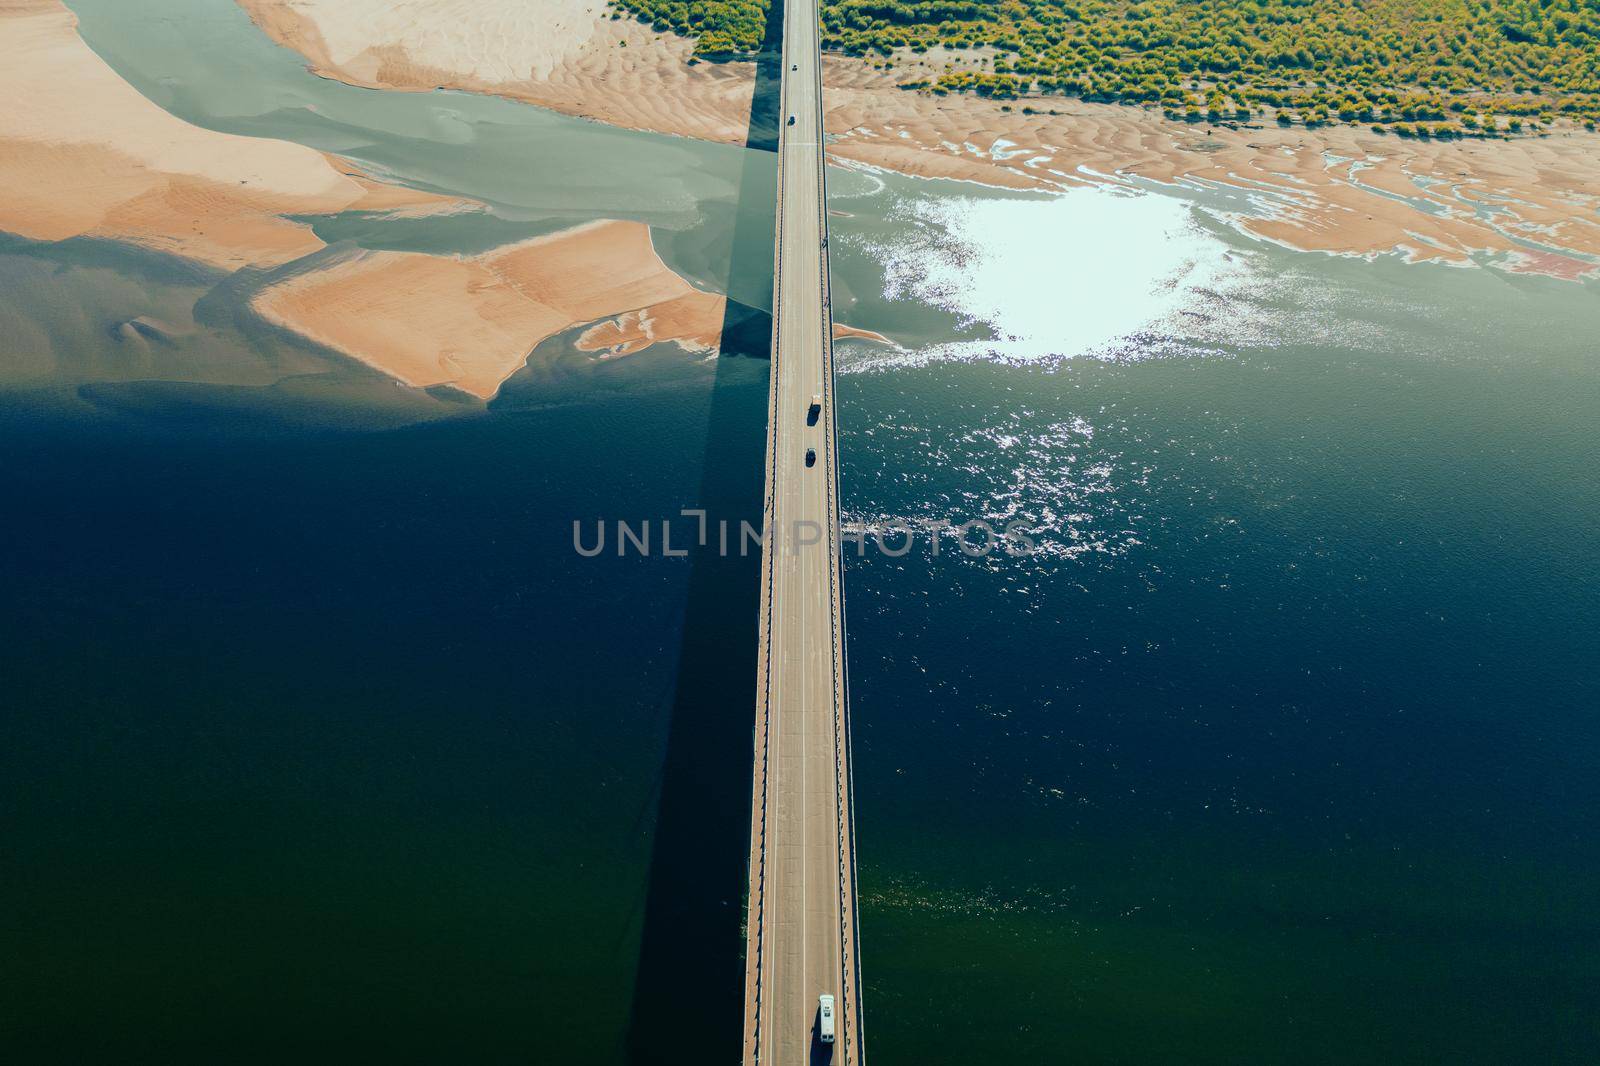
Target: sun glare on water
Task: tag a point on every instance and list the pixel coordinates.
(1093, 272)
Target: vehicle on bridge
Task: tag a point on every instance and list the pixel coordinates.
(825, 1018)
(791, 120)
(811, 457)
(814, 412)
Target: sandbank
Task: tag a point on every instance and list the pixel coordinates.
(1328, 189)
(82, 153)
(470, 322)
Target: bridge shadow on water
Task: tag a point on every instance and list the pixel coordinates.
(688, 995)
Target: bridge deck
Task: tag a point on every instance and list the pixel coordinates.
(802, 920)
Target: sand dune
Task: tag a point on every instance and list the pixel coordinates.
(471, 322)
(82, 153)
(568, 56)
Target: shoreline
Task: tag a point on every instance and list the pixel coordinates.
(85, 154)
(471, 322)
(1338, 189)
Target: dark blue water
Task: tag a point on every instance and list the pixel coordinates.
(1286, 753)
(321, 744)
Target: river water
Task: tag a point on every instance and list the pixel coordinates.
(323, 744)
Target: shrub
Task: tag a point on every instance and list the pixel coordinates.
(1352, 61)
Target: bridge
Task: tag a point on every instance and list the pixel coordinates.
(801, 926)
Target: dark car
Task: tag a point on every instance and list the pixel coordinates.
(811, 457)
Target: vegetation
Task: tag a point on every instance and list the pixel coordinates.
(720, 27)
(1425, 67)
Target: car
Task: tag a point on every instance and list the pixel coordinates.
(791, 120)
(825, 1018)
(794, 66)
(811, 457)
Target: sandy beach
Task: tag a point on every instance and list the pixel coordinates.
(1330, 189)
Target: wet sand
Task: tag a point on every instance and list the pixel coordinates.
(566, 55)
(471, 322)
(1331, 190)
(82, 153)
(1324, 190)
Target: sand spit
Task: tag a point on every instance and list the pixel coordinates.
(843, 332)
(471, 322)
(82, 153)
(1327, 190)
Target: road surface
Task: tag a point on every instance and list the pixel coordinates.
(802, 920)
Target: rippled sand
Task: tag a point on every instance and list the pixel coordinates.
(566, 55)
(82, 153)
(1316, 190)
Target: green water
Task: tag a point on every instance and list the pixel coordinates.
(321, 745)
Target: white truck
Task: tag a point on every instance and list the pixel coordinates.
(825, 1018)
